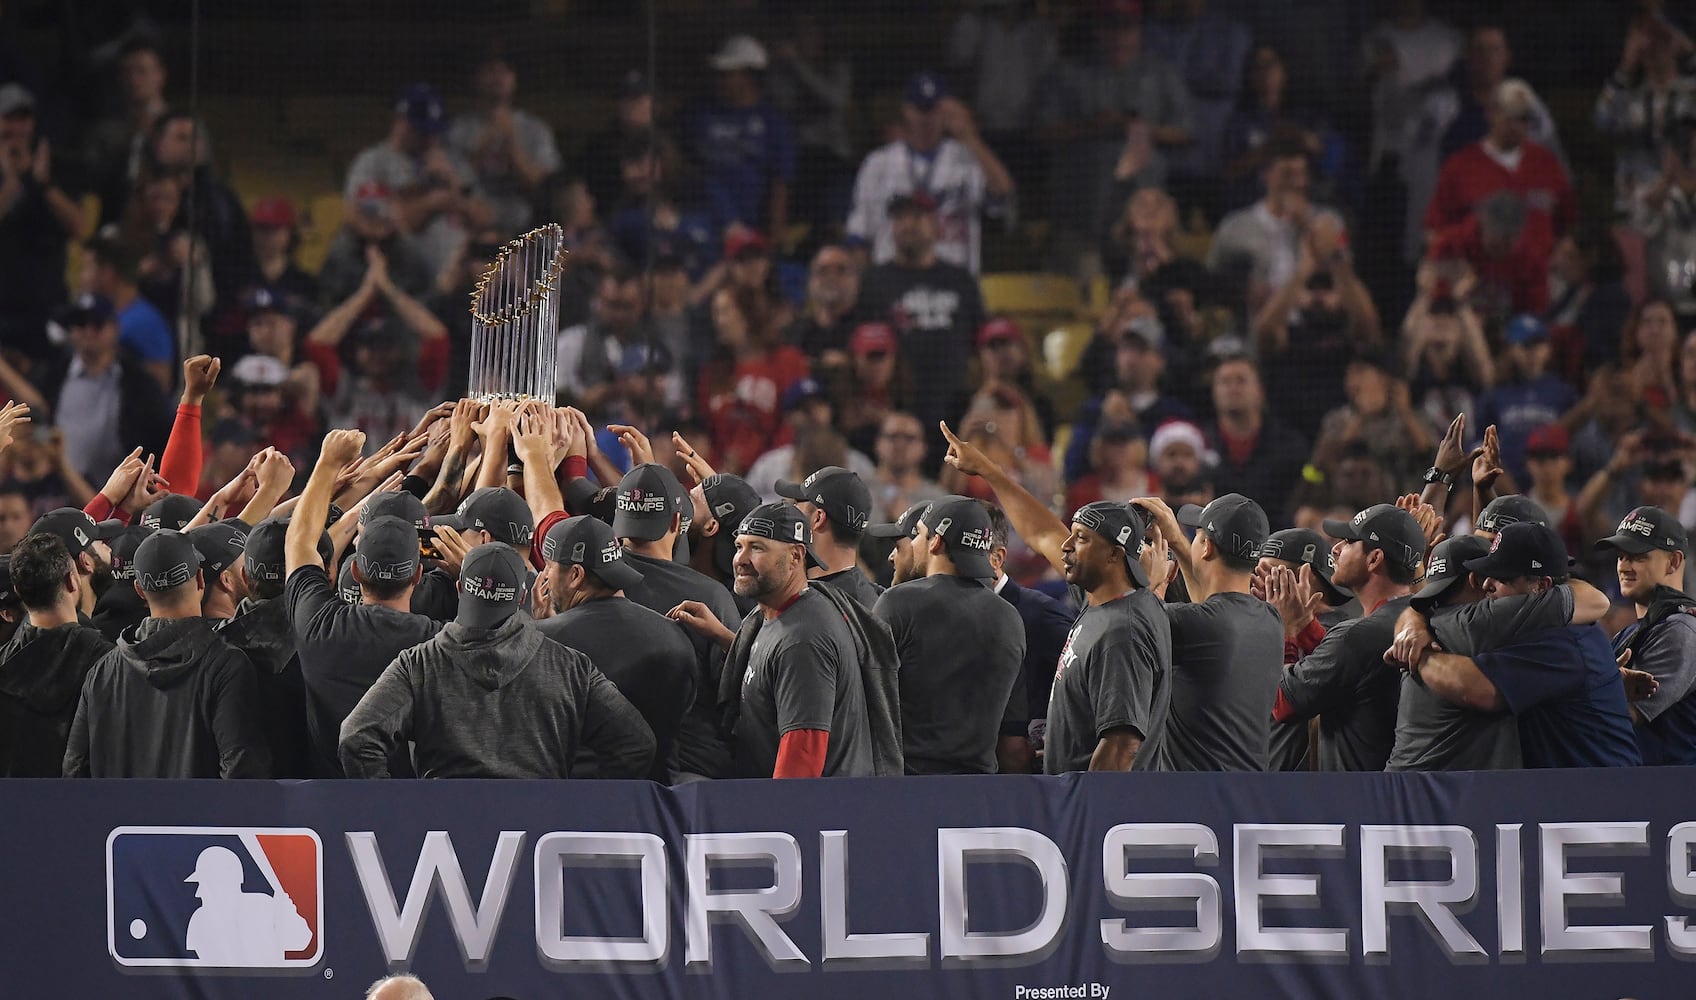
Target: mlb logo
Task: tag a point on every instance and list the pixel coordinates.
(208, 897)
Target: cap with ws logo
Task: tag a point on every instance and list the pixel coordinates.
(1511, 508)
(1522, 550)
(590, 543)
(1387, 528)
(76, 529)
(221, 544)
(963, 525)
(165, 560)
(495, 509)
(1447, 567)
(171, 511)
(647, 498)
(730, 498)
(387, 550)
(1121, 524)
(1645, 530)
(263, 557)
(397, 503)
(840, 493)
(903, 526)
(780, 522)
(1304, 546)
(491, 586)
(1236, 524)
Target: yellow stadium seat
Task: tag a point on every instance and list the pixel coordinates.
(1032, 293)
(322, 216)
(90, 206)
(1062, 347)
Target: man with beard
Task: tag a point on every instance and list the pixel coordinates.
(961, 648)
(85, 539)
(902, 558)
(646, 656)
(1651, 544)
(1178, 454)
(833, 287)
(1112, 687)
(724, 500)
(837, 505)
(174, 700)
(121, 607)
(43, 666)
(803, 702)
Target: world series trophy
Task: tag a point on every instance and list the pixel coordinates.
(515, 319)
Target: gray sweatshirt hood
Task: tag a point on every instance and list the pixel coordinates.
(491, 657)
(165, 651)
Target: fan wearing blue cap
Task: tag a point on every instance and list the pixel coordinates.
(1527, 394)
(1112, 687)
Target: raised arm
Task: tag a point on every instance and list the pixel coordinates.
(181, 462)
(534, 444)
(444, 495)
(1040, 527)
(275, 473)
(300, 542)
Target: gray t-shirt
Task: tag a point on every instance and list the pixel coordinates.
(855, 584)
(497, 181)
(1115, 671)
(1437, 735)
(1346, 682)
(1227, 658)
(439, 238)
(665, 585)
(962, 648)
(804, 673)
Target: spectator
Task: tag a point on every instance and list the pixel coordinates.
(1649, 354)
(431, 186)
(1650, 93)
(1092, 110)
(1259, 456)
(648, 658)
(812, 85)
(1496, 259)
(598, 163)
(1259, 248)
(1684, 411)
(807, 407)
(936, 307)
(1444, 352)
(1142, 248)
(1209, 49)
(1456, 114)
(1182, 464)
(179, 147)
(512, 152)
(1650, 569)
(744, 380)
(1548, 462)
(653, 216)
(898, 481)
(111, 270)
(289, 423)
(1590, 302)
(1527, 396)
(1379, 414)
(1118, 467)
(876, 383)
(174, 700)
(1004, 358)
(173, 271)
(941, 159)
(1264, 119)
(276, 237)
(371, 224)
(833, 289)
(232, 447)
(44, 663)
(1505, 160)
(1008, 48)
(42, 474)
(16, 515)
(1664, 214)
(117, 146)
(96, 393)
(37, 220)
(1003, 426)
(745, 148)
(588, 356)
(1311, 329)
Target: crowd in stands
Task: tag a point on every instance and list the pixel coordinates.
(1348, 387)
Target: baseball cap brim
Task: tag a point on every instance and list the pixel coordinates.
(1433, 590)
(791, 491)
(641, 527)
(1629, 544)
(1342, 529)
(1189, 515)
(109, 529)
(892, 530)
(617, 574)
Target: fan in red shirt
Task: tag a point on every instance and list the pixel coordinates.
(744, 381)
(1505, 160)
(1508, 258)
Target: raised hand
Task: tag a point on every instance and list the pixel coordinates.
(453, 548)
(968, 458)
(341, 448)
(1297, 599)
(534, 440)
(122, 479)
(1156, 559)
(1487, 461)
(1640, 685)
(12, 416)
(1452, 456)
(1163, 517)
(635, 442)
(200, 374)
(441, 411)
(697, 464)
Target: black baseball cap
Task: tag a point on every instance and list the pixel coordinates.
(963, 525)
(1235, 523)
(491, 585)
(170, 511)
(165, 560)
(397, 503)
(1447, 566)
(590, 543)
(1646, 529)
(76, 529)
(780, 522)
(387, 550)
(495, 509)
(730, 498)
(903, 526)
(123, 551)
(347, 588)
(1511, 508)
(1521, 550)
(840, 493)
(222, 544)
(1309, 548)
(1387, 528)
(645, 501)
(1121, 524)
(263, 558)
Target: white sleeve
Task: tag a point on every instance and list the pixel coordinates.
(862, 216)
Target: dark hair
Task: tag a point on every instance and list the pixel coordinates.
(1232, 561)
(383, 590)
(141, 43)
(265, 590)
(40, 563)
(1282, 145)
(1628, 349)
(1600, 252)
(109, 251)
(1400, 573)
(997, 525)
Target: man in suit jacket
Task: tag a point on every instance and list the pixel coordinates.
(1047, 623)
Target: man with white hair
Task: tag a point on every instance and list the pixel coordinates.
(1506, 160)
(399, 988)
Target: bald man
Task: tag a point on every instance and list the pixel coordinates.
(398, 988)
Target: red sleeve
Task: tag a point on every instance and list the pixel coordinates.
(329, 364)
(180, 465)
(1309, 638)
(541, 533)
(800, 754)
(101, 509)
(1440, 211)
(1283, 711)
(433, 363)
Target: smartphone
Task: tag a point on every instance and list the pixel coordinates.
(427, 544)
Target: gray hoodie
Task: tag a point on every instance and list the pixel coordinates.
(505, 702)
(174, 700)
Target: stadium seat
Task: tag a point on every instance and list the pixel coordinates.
(321, 217)
(1032, 294)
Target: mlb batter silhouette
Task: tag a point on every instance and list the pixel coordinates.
(237, 929)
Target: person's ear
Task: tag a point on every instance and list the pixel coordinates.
(70, 584)
(1209, 550)
(418, 572)
(1677, 563)
(819, 520)
(709, 528)
(358, 577)
(241, 573)
(85, 564)
(937, 546)
(1374, 560)
(575, 577)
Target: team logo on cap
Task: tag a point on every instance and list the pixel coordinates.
(489, 589)
(611, 553)
(82, 536)
(639, 501)
(1637, 524)
(176, 576)
(978, 539)
(1438, 567)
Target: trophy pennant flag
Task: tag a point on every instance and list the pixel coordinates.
(515, 319)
